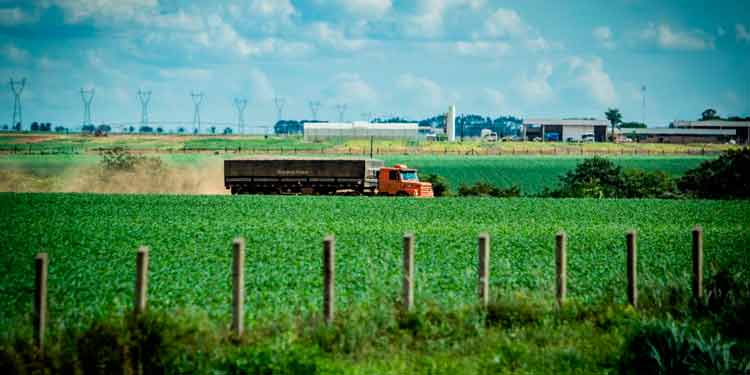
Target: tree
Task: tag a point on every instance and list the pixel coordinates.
(159, 130)
(104, 128)
(709, 114)
(615, 118)
(17, 127)
(180, 130)
(145, 129)
(35, 126)
(5, 127)
(727, 177)
(59, 129)
(131, 129)
(227, 131)
(88, 128)
(213, 130)
(632, 125)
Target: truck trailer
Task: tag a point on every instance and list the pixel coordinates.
(322, 176)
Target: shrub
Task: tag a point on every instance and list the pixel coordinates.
(484, 189)
(642, 184)
(593, 178)
(440, 185)
(727, 177)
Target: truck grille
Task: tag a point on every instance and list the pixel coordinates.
(426, 191)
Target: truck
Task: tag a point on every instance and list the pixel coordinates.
(317, 176)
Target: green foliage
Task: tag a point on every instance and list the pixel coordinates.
(440, 185)
(727, 177)
(642, 184)
(633, 125)
(484, 189)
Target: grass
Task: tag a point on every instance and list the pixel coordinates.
(91, 241)
(530, 173)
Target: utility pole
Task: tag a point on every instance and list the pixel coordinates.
(197, 97)
(341, 108)
(145, 98)
(17, 88)
(279, 103)
(87, 96)
(314, 107)
(643, 107)
(240, 104)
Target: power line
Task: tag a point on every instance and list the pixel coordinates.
(314, 107)
(240, 104)
(341, 108)
(279, 103)
(145, 98)
(197, 99)
(87, 96)
(17, 88)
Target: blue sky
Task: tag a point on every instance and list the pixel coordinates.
(412, 58)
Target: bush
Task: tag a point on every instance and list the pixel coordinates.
(484, 189)
(642, 184)
(119, 159)
(727, 177)
(440, 185)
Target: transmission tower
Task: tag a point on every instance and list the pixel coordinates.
(17, 88)
(314, 107)
(197, 99)
(341, 108)
(87, 96)
(643, 106)
(279, 102)
(144, 97)
(240, 104)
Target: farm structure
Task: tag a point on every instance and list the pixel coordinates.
(679, 135)
(315, 131)
(565, 129)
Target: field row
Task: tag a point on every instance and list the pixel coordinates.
(91, 241)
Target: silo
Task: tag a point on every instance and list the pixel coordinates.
(450, 123)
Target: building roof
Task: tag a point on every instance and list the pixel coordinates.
(678, 131)
(566, 122)
(712, 124)
(360, 125)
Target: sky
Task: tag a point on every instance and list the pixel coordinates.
(412, 58)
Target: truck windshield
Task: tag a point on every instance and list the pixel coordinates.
(409, 176)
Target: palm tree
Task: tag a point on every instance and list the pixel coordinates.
(615, 118)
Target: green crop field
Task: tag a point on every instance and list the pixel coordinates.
(530, 173)
(91, 240)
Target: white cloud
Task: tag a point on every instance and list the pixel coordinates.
(603, 35)
(334, 38)
(351, 89)
(591, 76)
(78, 10)
(668, 38)
(503, 23)
(14, 54)
(365, 8)
(427, 21)
(260, 86)
(14, 17)
(482, 48)
(424, 91)
(742, 34)
(281, 9)
(537, 88)
(496, 98)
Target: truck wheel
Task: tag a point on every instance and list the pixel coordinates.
(402, 194)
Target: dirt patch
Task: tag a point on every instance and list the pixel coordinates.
(32, 139)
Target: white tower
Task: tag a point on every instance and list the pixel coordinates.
(450, 123)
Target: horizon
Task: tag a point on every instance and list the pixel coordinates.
(378, 57)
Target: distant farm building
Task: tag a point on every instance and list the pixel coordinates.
(741, 128)
(679, 135)
(328, 130)
(565, 129)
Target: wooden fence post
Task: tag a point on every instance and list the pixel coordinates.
(238, 286)
(484, 268)
(632, 261)
(329, 276)
(561, 266)
(141, 279)
(408, 272)
(40, 300)
(697, 262)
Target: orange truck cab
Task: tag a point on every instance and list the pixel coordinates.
(400, 180)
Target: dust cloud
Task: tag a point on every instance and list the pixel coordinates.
(203, 178)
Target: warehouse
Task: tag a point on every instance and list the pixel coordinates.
(327, 130)
(741, 128)
(679, 135)
(574, 130)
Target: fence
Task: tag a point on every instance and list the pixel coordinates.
(329, 277)
(29, 149)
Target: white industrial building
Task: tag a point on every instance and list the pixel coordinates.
(565, 129)
(359, 129)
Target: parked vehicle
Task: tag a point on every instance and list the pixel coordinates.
(322, 176)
